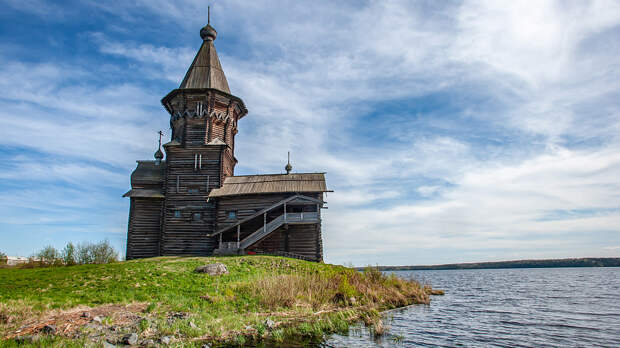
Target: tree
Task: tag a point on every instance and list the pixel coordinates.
(84, 254)
(104, 252)
(3, 258)
(48, 255)
(101, 252)
(68, 254)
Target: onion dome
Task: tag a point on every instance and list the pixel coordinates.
(288, 166)
(208, 33)
(159, 155)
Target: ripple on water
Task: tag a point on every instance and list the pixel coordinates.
(552, 307)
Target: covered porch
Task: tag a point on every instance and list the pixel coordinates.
(237, 238)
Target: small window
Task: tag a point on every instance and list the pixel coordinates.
(193, 189)
(177, 213)
(232, 214)
(196, 216)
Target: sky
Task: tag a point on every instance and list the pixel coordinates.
(450, 131)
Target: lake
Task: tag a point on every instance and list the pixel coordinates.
(535, 307)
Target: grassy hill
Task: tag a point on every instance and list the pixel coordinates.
(163, 300)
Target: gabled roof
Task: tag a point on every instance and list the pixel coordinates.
(271, 183)
(206, 70)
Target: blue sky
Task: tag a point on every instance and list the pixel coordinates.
(450, 131)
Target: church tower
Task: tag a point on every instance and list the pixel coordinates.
(200, 155)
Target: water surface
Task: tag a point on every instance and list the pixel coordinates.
(535, 307)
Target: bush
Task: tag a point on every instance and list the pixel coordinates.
(3, 258)
(68, 254)
(101, 252)
(104, 252)
(84, 253)
(49, 255)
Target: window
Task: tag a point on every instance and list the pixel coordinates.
(193, 189)
(177, 213)
(232, 215)
(196, 216)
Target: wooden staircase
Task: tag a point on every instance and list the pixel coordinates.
(286, 218)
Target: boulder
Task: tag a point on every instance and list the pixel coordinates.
(130, 339)
(213, 269)
(49, 329)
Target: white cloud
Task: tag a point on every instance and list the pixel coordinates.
(523, 157)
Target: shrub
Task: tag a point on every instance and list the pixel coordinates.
(104, 252)
(48, 255)
(3, 258)
(101, 252)
(68, 254)
(84, 253)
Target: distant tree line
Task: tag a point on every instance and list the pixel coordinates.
(577, 262)
(80, 254)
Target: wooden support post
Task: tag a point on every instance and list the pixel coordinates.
(221, 240)
(284, 211)
(238, 234)
(265, 222)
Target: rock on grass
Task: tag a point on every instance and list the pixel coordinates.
(213, 269)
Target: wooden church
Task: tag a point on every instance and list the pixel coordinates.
(191, 203)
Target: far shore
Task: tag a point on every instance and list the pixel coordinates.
(550, 263)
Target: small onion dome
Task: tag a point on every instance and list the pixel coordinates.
(208, 33)
(288, 168)
(159, 155)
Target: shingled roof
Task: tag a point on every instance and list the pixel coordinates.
(271, 183)
(148, 172)
(206, 70)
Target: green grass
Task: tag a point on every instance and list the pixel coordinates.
(304, 299)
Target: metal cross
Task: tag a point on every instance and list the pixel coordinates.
(161, 134)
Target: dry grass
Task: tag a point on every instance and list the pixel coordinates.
(326, 290)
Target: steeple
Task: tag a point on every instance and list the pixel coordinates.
(206, 70)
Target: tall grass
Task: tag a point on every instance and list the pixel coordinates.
(325, 290)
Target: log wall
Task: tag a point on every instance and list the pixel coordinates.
(144, 227)
(187, 187)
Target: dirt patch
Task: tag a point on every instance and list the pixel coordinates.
(69, 323)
